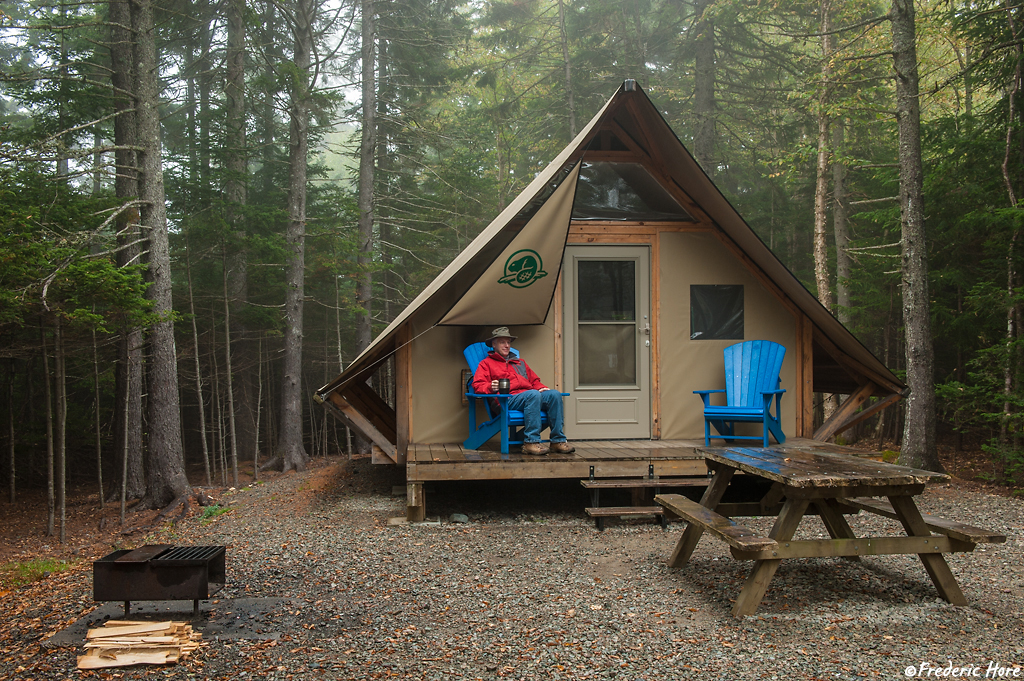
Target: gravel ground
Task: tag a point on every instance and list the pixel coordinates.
(529, 589)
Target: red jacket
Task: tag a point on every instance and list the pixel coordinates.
(521, 377)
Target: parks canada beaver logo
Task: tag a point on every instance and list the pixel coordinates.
(522, 269)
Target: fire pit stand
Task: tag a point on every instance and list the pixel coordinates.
(160, 572)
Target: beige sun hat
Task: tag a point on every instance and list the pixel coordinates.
(500, 332)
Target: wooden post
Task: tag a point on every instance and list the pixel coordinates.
(415, 504)
(403, 393)
(655, 349)
(558, 312)
(805, 377)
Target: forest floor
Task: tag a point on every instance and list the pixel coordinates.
(322, 587)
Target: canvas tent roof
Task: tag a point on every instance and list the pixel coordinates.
(631, 111)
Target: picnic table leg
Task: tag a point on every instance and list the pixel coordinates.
(834, 521)
(712, 495)
(763, 571)
(934, 563)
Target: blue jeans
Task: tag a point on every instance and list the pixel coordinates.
(531, 402)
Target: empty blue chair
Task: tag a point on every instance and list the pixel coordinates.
(508, 423)
(751, 381)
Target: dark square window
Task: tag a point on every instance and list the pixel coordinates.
(716, 312)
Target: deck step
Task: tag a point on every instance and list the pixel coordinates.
(600, 513)
(634, 483)
(606, 511)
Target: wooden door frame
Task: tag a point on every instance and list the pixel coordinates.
(629, 234)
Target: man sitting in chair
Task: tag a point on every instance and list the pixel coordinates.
(529, 395)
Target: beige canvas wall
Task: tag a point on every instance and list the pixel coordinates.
(686, 365)
(437, 364)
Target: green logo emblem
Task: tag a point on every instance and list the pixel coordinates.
(522, 269)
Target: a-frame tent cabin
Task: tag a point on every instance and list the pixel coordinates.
(624, 272)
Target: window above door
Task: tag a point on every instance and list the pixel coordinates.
(624, 191)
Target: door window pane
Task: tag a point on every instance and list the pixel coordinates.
(607, 354)
(606, 290)
(716, 312)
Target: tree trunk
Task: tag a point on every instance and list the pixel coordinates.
(10, 431)
(50, 497)
(227, 370)
(821, 278)
(704, 88)
(841, 226)
(259, 410)
(99, 429)
(269, 112)
(918, 447)
(62, 426)
(199, 368)
(290, 446)
(236, 191)
(128, 383)
(368, 144)
(1008, 365)
(570, 104)
(166, 480)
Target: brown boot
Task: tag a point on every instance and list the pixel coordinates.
(561, 448)
(534, 448)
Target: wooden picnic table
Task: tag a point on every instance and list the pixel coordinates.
(829, 485)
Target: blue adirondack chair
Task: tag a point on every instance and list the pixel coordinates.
(509, 423)
(751, 380)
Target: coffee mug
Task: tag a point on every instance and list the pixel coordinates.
(503, 386)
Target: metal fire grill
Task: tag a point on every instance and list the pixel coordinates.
(160, 572)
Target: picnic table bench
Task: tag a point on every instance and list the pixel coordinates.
(830, 485)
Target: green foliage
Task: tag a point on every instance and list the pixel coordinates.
(211, 512)
(19, 573)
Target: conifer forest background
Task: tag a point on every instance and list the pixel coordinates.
(287, 175)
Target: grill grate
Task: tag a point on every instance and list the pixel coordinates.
(190, 553)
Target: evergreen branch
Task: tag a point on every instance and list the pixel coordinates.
(860, 249)
(56, 135)
(842, 29)
(860, 57)
(867, 201)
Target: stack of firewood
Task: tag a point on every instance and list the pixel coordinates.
(119, 643)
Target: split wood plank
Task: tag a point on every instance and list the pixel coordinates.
(122, 643)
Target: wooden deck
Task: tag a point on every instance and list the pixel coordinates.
(610, 459)
(607, 458)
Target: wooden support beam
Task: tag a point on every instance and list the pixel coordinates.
(612, 156)
(847, 411)
(855, 368)
(804, 376)
(340, 408)
(758, 273)
(822, 548)
(648, 136)
(378, 412)
(655, 349)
